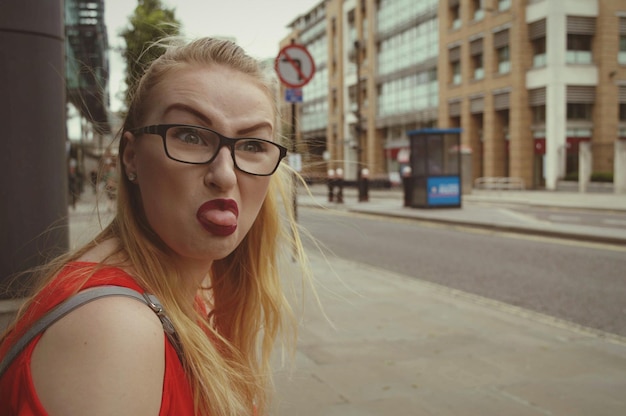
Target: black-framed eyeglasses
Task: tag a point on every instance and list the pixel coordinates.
(199, 145)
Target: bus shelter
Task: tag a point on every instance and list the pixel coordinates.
(435, 175)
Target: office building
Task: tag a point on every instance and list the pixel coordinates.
(528, 82)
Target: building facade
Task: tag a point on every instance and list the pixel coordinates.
(527, 81)
(87, 62)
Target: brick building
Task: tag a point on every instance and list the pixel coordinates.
(527, 81)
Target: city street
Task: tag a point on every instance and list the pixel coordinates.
(575, 281)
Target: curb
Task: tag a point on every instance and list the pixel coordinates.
(568, 235)
(502, 228)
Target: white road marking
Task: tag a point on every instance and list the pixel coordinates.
(564, 218)
(611, 221)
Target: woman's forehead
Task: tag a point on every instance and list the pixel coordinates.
(212, 92)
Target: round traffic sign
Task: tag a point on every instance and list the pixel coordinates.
(294, 66)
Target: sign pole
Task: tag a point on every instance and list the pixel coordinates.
(295, 68)
(293, 149)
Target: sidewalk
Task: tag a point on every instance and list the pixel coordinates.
(488, 209)
(401, 346)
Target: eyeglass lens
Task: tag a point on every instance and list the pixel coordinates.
(194, 145)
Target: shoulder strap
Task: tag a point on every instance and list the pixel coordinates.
(80, 299)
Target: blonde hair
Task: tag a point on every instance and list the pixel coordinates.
(226, 354)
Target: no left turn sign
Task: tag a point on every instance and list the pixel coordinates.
(294, 66)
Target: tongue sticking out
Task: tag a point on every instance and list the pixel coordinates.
(218, 217)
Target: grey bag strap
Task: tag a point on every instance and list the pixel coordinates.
(80, 299)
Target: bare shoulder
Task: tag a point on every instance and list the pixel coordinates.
(100, 252)
(106, 357)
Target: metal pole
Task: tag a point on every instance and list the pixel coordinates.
(33, 159)
(293, 150)
(362, 191)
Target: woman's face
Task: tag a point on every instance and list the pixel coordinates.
(202, 212)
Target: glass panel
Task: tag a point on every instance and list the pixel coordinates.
(539, 60)
(451, 156)
(418, 156)
(435, 161)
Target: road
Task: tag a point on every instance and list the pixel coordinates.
(579, 282)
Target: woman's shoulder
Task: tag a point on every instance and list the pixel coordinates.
(90, 361)
(100, 252)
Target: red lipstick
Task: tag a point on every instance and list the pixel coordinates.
(219, 216)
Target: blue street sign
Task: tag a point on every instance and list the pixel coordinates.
(293, 95)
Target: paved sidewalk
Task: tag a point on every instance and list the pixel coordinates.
(401, 346)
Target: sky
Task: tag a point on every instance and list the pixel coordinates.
(257, 25)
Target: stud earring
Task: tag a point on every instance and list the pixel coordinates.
(132, 176)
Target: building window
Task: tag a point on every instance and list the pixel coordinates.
(477, 7)
(479, 71)
(579, 111)
(454, 57)
(408, 48)
(502, 52)
(476, 59)
(504, 60)
(456, 72)
(539, 52)
(413, 93)
(539, 114)
(578, 49)
(621, 57)
(504, 5)
(622, 111)
(455, 16)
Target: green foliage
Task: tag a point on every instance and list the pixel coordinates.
(572, 176)
(602, 177)
(150, 23)
(606, 177)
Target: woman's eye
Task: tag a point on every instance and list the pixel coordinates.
(251, 146)
(190, 137)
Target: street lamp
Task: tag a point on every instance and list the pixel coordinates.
(358, 130)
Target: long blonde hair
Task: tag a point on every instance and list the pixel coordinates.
(227, 353)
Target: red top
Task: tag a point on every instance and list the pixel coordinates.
(17, 391)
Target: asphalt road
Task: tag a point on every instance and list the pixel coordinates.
(579, 282)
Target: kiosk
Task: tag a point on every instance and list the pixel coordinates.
(435, 179)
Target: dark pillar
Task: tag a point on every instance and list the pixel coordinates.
(339, 183)
(33, 172)
(364, 185)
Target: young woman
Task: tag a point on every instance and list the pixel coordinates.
(199, 226)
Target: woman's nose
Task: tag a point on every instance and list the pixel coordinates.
(221, 172)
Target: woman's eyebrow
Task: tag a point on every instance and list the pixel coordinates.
(207, 121)
(185, 108)
(259, 126)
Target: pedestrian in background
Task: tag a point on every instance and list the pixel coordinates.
(202, 223)
(72, 182)
(93, 179)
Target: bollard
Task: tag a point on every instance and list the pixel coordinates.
(364, 185)
(407, 185)
(339, 173)
(331, 185)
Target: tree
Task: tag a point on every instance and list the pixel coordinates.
(150, 23)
